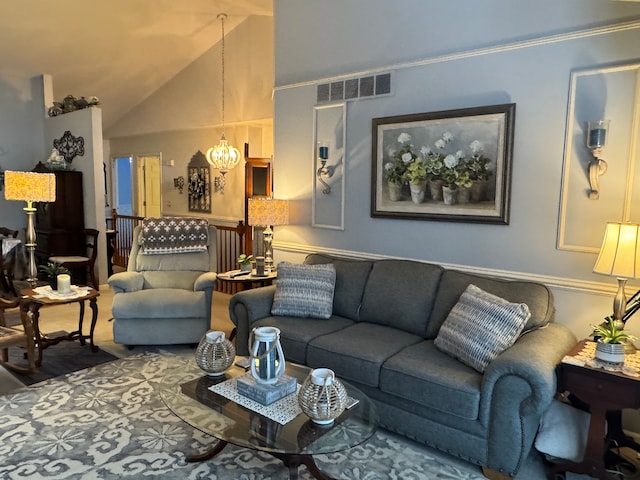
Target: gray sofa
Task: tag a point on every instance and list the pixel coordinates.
(380, 337)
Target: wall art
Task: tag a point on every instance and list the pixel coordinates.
(452, 165)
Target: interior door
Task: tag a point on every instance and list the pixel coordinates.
(148, 186)
(152, 182)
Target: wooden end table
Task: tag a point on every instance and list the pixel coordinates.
(248, 280)
(245, 282)
(607, 393)
(30, 303)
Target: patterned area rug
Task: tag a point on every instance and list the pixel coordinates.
(108, 422)
(60, 359)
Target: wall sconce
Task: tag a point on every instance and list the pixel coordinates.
(324, 170)
(219, 182)
(596, 139)
(178, 183)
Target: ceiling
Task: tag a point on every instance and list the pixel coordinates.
(118, 50)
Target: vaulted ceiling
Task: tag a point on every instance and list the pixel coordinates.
(118, 50)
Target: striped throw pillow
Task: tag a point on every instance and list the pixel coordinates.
(304, 290)
(480, 327)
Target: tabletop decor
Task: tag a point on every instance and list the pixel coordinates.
(610, 341)
(463, 156)
(267, 358)
(51, 271)
(322, 396)
(215, 353)
(245, 262)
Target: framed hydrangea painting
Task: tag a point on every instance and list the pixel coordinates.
(452, 165)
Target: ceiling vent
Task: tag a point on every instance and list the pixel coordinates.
(354, 88)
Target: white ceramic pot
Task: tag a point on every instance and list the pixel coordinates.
(610, 352)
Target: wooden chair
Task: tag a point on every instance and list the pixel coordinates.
(6, 271)
(6, 232)
(77, 262)
(13, 337)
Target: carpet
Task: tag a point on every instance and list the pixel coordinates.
(60, 359)
(108, 422)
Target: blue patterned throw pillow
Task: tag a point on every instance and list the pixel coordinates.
(304, 290)
(480, 327)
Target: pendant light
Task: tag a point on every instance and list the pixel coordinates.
(223, 156)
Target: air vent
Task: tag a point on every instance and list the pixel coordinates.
(354, 88)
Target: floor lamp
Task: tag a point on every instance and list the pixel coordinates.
(30, 187)
(268, 212)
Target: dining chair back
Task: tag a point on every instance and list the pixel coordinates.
(77, 263)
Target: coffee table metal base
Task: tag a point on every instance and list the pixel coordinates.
(291, 461)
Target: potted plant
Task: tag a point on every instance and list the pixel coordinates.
(610, 341)
(245, 262)
(51, 271)
(417, 177)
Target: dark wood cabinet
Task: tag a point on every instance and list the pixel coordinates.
(60, 224)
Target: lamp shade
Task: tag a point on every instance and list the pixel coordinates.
(620, 252)
(268, 211)
(30, 186)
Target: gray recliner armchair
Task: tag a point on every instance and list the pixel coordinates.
(165, 295)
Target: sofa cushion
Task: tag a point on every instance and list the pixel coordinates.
(357, 353)
(537, 297)
(304, 290)
(426, 376)
(400, 294)
(351, 277)
(480, 327)
(296, 333)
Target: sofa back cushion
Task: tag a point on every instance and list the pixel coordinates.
(535, 295)
(351, 277)
(401, 294)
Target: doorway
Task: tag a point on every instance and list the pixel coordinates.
(137, 185)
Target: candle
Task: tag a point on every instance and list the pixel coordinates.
(260, 266)
(324, 152)
(597, 137)
(64, 283)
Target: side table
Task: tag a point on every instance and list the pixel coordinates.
(607, 393)
(30, 303)
(246, 282)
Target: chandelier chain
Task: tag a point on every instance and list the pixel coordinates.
(222, 22)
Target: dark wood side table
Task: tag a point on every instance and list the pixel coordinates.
(606, 393)
(31, 302)
(246, 282)
(249, 280)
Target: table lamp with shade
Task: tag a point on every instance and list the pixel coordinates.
(30, 187)
(268, 212)
(620, 257)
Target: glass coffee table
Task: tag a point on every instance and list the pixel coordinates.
(185, 391)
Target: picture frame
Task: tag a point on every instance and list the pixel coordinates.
(199, 183)
(449, 165)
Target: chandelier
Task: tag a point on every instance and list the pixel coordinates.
(223, 156)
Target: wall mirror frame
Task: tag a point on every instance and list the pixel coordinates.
(605, 92)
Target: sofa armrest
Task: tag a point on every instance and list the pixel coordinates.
(518, 386)
(245, 308)
(126, 282)
(206, 281)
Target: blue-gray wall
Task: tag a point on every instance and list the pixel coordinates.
(447, 55)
